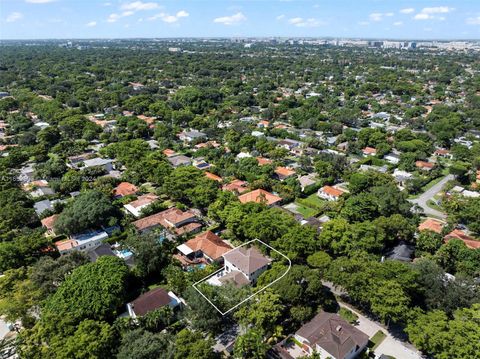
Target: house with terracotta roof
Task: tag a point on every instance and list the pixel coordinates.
(441, 152)
(469, 241)
(263, 124)
(206, 248)
(260, 196)
(49, 223)
(143, 201)
(262, 161)
(169, 153)
(148, 120)
(432, 224)
(124, 189)
(236, 186)
(243, 265)
(330, 193)
(369, 151)
(81, 242)
(208, 144)
(152, 300)
(283, 173)
(329, 335)
(65, 246)
(424, 165)
(213, 176)
(173, 219)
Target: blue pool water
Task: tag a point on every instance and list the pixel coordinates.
(197, 267)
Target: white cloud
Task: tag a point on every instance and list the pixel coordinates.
(473, 20)
(407, 10)
(398, 23)
(139, 5)
(39, 1)
(422, 16)
(91, 24)
(437, 10)
(114, 17)
(378, 16)
(301, 22)
(14, 16)
(280, 17)
(169, 18)
(231, 20)
(429, 13)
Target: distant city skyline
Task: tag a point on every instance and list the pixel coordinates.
(380, 19)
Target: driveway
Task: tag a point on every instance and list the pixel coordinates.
(390, 345)
(429, 194)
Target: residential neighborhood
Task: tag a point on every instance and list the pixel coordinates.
(238, 197)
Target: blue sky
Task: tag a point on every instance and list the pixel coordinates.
(404, 19)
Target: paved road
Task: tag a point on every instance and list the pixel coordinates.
(390, 345)
(428, 195)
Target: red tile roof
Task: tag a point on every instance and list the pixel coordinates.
(262, 161)
(369, 151)
(424, 164)
(470, 242)
(259, 196)
(236, 186)
(171, 218)
(124, 189)
(431, 224)
(169, 153)
(441, 152)
(49, 222)
(332, 191)
(213, 176)
(65, 244)
(284, 172)
(210, 244)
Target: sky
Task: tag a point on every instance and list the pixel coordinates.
(386, 19)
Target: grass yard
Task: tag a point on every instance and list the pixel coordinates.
(376, 340)
(306, 211)
(313, 201)
(433, 205)
(348, 315)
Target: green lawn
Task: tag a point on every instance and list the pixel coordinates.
(306, 211)
(376, 340)
(433, 205)
(426, 187)
(348, 315)
(313, 201)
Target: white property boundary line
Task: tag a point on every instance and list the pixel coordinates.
(194, 285)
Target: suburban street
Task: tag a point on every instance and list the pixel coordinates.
(429, 194)
(390, 345)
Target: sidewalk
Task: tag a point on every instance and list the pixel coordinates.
(390, 345)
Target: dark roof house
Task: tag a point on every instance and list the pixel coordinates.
(330, 335)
